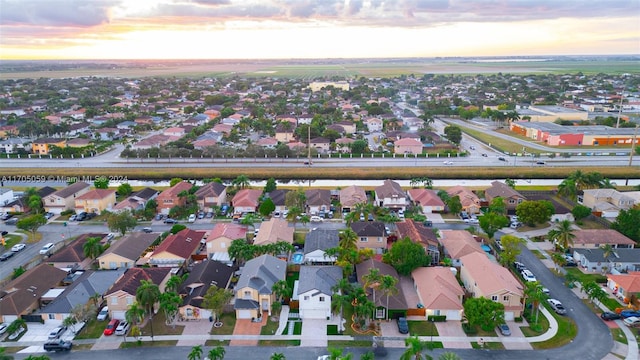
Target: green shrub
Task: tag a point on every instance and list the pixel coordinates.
(437, 318)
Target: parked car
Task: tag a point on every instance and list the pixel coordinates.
(401, 214)
(632, 321)
(18, 247)
(111, 327)
(58, 345)
(504, 329)
(403, 325)
(519, 266)
(159, 217)
(102, 315)
(3, 328)
(11, 221)
(528, 275)
(610, 316)
(192, 218)
(73, 217)
(201, 215)
(49, 215)
(122, 328)
(4, 232)
(6, 216)
(557, 306)
(46, 249)
(6, 256)
(209, 215)
(55, 333)
(110, 236)
(170, 221)
(315, 219)
(629, 313)
(147, 229)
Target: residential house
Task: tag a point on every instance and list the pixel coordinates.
(469, 200)
(483, 278)
(78, 143)
(407, 146)
(72, 255)
(136, 201)
(594, 238)
(124, 252)
(390, 195)
(267, 143)
(397, 301)
(210, 195)
(96, 201)
(204, 275)
(316, 243)
(351, 196)
(624, 285)
(174, 132)
(285, 132)
(428, 200)
(371, 235)
(78, 293)
(511, 197)
(6, 196)
(278, 198)
(373, 124)
(344, 144)
(44, 146)
(220, 238)
(315, 288)
(246, 201)
(322, 145)
(421, 234)
(9, 131)
(609, 202)
(107, 134)
(20, 204)
(439, 291)
(176, 249)
(458, 243)
(123, 292)
(14, 145)
(348, 126)
(253, 292)
(21, 296)
(318, 200)
(170, 197)
(620, 260)
(64, 199)
(274, 230)
(153, 141)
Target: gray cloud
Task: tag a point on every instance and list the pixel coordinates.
(73, 13)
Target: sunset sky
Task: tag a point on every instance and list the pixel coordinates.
(246, 29)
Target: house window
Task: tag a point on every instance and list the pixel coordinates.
(52, 317)
(114, 301)
(379, 239)
(511, 201)
(380, 313)
(247, 295)
(129, 300)
(505, 298)
(321, 299)
(494, 298)
(363, 239)
(306, 297)
(223, 245)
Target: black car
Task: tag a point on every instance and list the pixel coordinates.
(147, 230)
(502, 159)
(403, 325)
(4, 232)
(610, 316)
(519, 266)
(6, 256)
(58, 345)
(170, 221)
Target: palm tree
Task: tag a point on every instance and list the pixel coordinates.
(134, 314)
(169, 303)
(449, 356)
(174, 282)
(568, 189)
(607, 251)
(534, 291)
(196, 353)
(278, 356)
(562, 235)
(340, 298)
(414, 350)
(241, 182)
(92, 248)
(388, 286)
(559, 260)
(608, 184)
(217, 353)
(348, 239)
(372, 280)
(147, 295)
(281, 290)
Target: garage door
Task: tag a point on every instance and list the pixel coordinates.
(244, 314)
(454, 315)
(313, 314)
(118, 315)
(508, 315)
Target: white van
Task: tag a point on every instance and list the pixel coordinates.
(46, 249)
(192, 218)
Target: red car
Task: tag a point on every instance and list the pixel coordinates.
(111, 327)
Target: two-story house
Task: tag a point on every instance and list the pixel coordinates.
(278, 197)
(609, 202)
(193, 290)
(126, 251)
(407, 146)
(44, 146)
(483, 278)
(468, 199)
(511, 197)
(274, 230)
(123, 292)
(421, 234)
(221, 237)
(458, 243)
(315, 288)
(171, 197)
(371, 235)
(176, 249)
(253, 292)
(96, 201)
(210, 195)
(391, 196)
(316, 244)
(136, 201)
(322, 145)
(64, 199)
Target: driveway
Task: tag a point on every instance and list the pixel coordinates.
(247, 327)
(389, 329)
(517, 340)
(314, 333)
(454, 329)
(193, 331)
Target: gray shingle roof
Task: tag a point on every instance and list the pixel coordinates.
(261, 273)
(368, 228)
(618, 256)
(320, 278)
(79, 292)
(321, 239)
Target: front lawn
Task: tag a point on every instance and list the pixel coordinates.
(567, 331)
(228, 321)
(619, 336)
(488, 346)
(269, 328)
(160, 328)
(422, 328)
(134, 344)
(582, 277)
(92, 330)
(538, 254)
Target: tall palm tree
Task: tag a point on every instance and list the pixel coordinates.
(607, 251)
(372, 280)
(534, 292)
(174, 282)
(568, 189)
(92, 248)
(134, 314)
(415, 348)
(348, 239)
(147, 295)
(341, 297)
(241, 182)
(169, 303)
(281, 290)
(217, 353)
(388, 286)
(559, 260)
(196, 353)
(562, 235)
(449, 356)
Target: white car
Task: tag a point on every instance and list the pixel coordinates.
(316, 219)
(192, 218)
(102, 315)
(528, 275)
(3, 328)
(46, 249)
(55, 333)
(632, 321)
(447, 162)
(122, 328)
(18, 247)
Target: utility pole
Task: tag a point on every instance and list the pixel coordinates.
(633, 145)
(619, 112)
(309, 144)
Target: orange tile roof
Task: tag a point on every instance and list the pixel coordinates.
(490, 277)
(438, 288)
(629, 282)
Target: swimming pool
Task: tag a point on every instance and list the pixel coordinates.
(297, 258)
(486, 248)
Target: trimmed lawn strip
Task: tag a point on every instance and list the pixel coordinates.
(543, 324)
(349, 343)
(567, 331)
(582, 277)
(422, 328)
(619, 336)
(160, 328)
(134, 344)
(279, 342)
(538, 254)
(217, 343)
(13, 349)
(488, 346)
(92, 330)
(269, 328)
